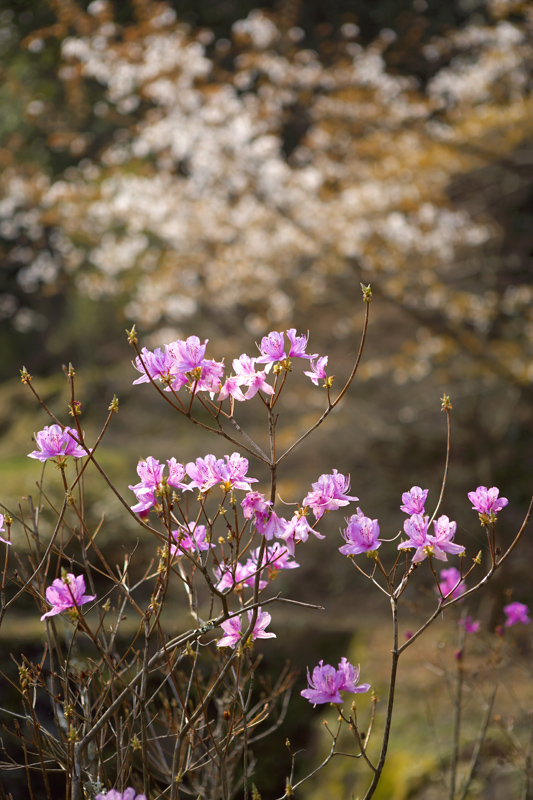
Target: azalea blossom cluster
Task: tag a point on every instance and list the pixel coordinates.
(160, 486)
(183, 363)
(327, 682)
(416, 527)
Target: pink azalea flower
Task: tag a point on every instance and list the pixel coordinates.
(234, 472)
(258, 383)
(275, 557)
(160, 365)
(244, 368)
(470, 625)
(232, 629)
(3, 529)
(128, 794)
(414, 500)
(318, 370)
(151, 474)
(274, 526)
(442, 541)
(297, 530)
(189, 354)
(298, 345)
(231, 387)
(176, 473)
(327, 683)
(210, 377)
(450, 583)
(515, 613)
(486, 501)
(254, 504)
(55, 441)
(361, 535)
(272, 349)
(229, 576)
(191, 540)
(330, 493)
(66, 592)
(416, 528)
(205, 472)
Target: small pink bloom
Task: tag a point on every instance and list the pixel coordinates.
(361, 535)
(515, 613)
(231, 387)
(414, 500)
(318, 370)
(298, 345)
(113, 794)
(442, 541)
(66, 592)
(189, 354)
(176, 473)
(416, 528)
(55, 441)
(161, 366)
(330, 493)
(450, 583)
(470, 625)
(232, 629)
(191, 540)
(255, 503)
(486, 501)
(272, 349)
(327, 683)
(297, 530)
(3, 529)
(229, 576)
(258, 383)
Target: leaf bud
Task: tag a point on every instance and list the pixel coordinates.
(25, 376)
(367, 293)
(132, 335)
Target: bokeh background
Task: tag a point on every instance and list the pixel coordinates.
(224, 168)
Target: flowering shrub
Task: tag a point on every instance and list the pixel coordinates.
(178, 714)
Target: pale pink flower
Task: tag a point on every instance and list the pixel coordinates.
(486, 501)
(272, 349)
(67, 592)
(3, 529)
(361, 535)
(57, 442)
(470, 625)
(298, 345)
(450, 584)
(515, 613)
(128, 794)
(414, 500)
(232, 629)
(327, 683)
(330, 493)
(318, 370)
(191, 540)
